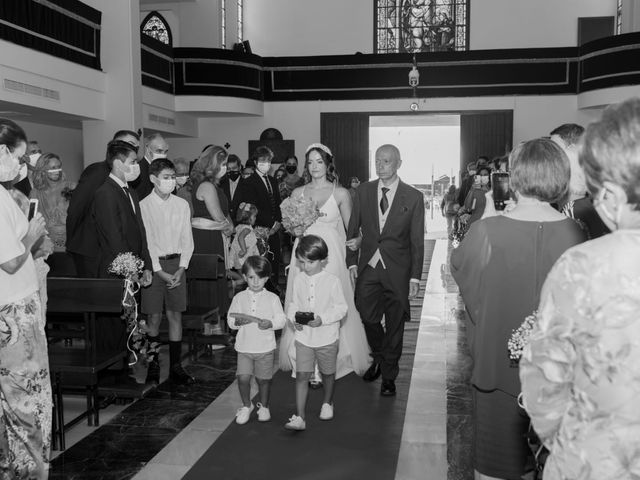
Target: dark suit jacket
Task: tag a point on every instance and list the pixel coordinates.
(401, 242)
(226, 188)
(82, 237)
(119, 229)
(142, 185)
(253, 190)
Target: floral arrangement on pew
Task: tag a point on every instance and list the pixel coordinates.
(262, 234)
(298, 214)
(129, 266)
(520, 338)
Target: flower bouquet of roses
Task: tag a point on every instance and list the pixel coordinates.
(298, 214)
(520, 338)
(129, 266)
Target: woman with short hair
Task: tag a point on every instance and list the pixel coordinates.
(25, 388)
(580, 371)
(500, 267)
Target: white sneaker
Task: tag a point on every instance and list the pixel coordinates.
(242, 415)
(264, 415)
(326, 412)
(296, 423)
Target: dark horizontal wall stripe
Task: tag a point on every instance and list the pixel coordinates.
(542, 71)
(156, 61)
(59, 28)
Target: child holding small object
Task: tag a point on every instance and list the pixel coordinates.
(255, 313)
(317, 306)
(245, 242)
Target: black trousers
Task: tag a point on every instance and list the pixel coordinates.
(376, 296)
(86, 267)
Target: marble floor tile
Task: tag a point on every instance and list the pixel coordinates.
(159, 471)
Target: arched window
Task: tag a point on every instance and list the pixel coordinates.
(157, 27)
(421, 25)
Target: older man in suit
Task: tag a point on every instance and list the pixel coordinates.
(82, 237)
(387, 227)
(155, 146)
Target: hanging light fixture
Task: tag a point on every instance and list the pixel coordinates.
(414, 81)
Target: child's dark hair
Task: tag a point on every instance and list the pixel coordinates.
(260, 265)
(245, 212)
(159, 164)
(312, 247)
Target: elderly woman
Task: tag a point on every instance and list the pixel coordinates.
(25, 389)
(580, 372)
(211, 224)
(500, 267)
(52, 190)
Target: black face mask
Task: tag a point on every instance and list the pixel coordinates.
(233, 176)
(291, 169)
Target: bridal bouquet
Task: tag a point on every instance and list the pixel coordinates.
(519, 339)
(298, 214)
(129, 266)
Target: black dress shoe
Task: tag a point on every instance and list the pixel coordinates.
(179, 376)
(153, 374)
(372, 373)
(388, 388)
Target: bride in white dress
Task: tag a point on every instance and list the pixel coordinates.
(335, 203)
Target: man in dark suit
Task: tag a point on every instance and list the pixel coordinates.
(231, 181)
(82, 238)
(116, 211)
(261, 190)
(120, 229)
(387, 226)
(155, 146)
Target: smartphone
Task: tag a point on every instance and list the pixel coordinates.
(33, 208)
(500, 186)
(304, 318)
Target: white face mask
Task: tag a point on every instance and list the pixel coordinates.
(166, 185)
(9, 166)
(264, 167)
(54, 174)
(33, 158)
(222, 172)
(132, 173)
(181, 180)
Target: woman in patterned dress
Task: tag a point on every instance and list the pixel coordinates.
(25, 389)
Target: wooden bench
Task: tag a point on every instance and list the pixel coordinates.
(81, 298)
(204, 267)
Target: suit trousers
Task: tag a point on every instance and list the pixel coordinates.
(86, 267)
(375, 296)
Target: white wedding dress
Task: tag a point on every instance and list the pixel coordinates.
(353, 349)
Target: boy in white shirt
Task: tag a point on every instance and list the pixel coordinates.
(256, 313)
(167, 220)
(317, 306)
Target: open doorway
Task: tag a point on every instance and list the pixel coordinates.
(430, 149)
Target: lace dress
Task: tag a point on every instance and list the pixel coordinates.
(353, 350)
(251, 242)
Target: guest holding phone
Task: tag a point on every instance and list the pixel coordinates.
(500, 267)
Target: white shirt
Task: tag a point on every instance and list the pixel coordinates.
(232, 187)
(13, 228)
(168, 226)
(382, 217)
(124, 185)
(263, 304)
(321, 294)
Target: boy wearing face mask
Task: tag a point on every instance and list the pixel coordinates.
(167, 219)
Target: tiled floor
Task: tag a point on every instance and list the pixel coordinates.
(436, 438)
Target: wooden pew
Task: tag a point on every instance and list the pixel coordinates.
(84, 297)
(204, 267)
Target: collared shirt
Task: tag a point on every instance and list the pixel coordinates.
(382, 217)
(262, 304)
(168, 226)
(124, 185)
(321, 294)
(232, 187)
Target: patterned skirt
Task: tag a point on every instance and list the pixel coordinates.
(25, 391)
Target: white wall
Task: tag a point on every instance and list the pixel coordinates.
(531, 24)
(308, 27)
(65, 142)
(300, 121)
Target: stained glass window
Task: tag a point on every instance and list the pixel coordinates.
(156, 26)
(619, 18)
(421, 25)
